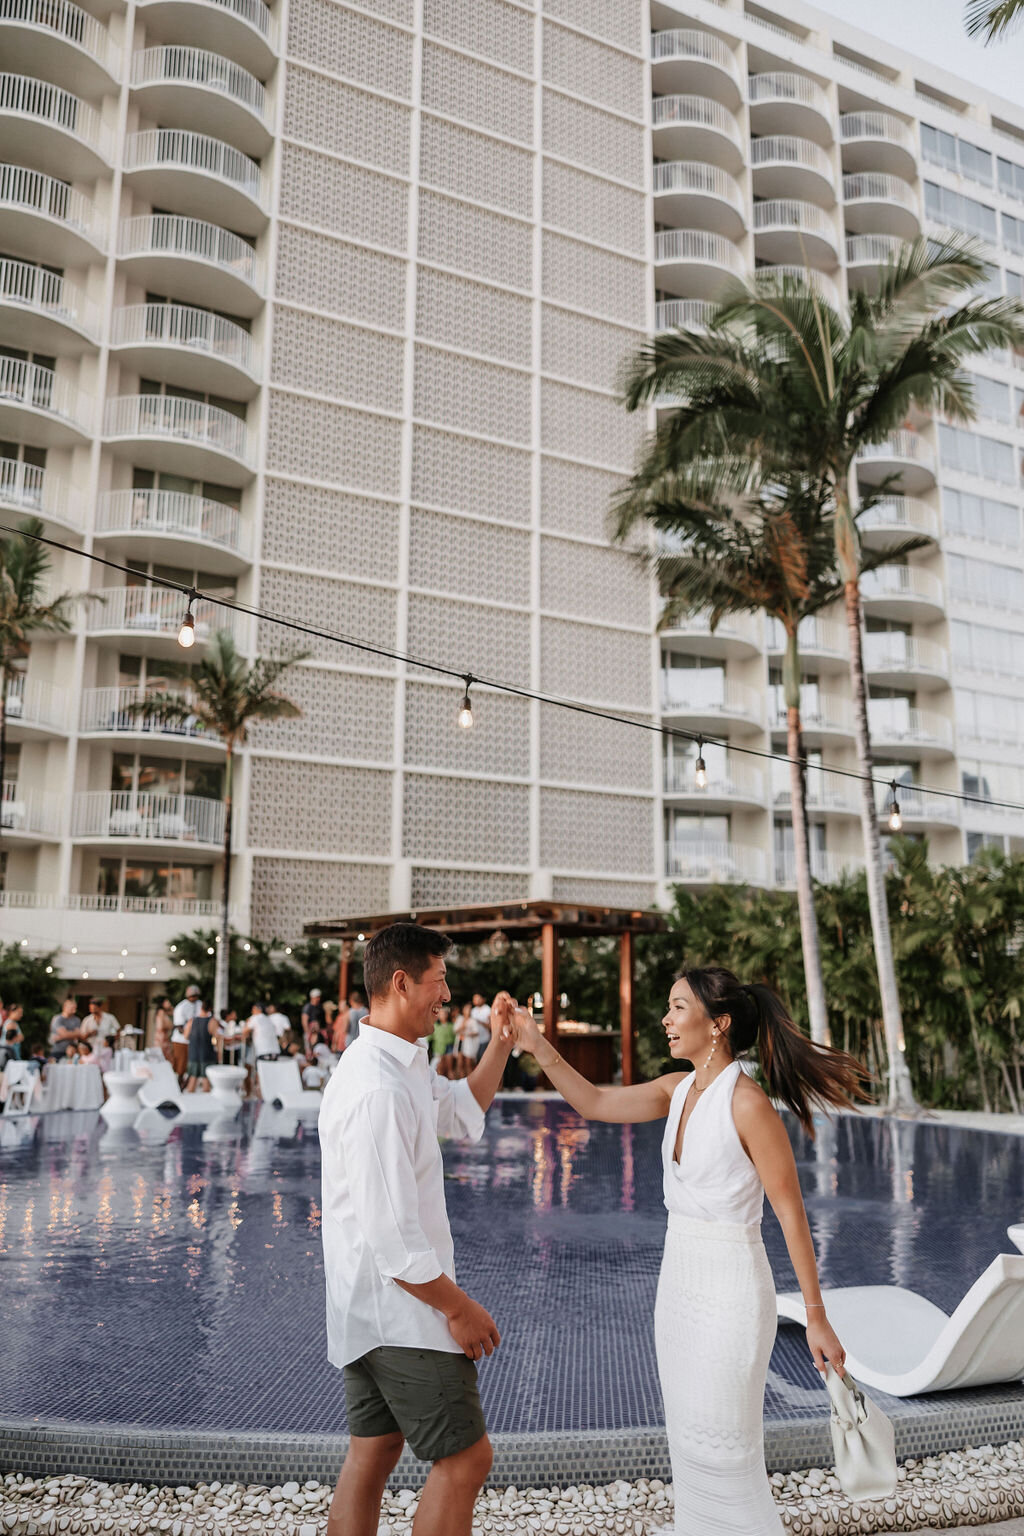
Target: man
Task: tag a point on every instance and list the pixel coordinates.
(404, 1333)
(281, 1022)
(183, 1011)
(357, 1011)
(260, 1031)
(65, 1029)
(481, 1012)
(107, 1027)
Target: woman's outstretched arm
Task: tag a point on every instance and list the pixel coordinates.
(625, 1106)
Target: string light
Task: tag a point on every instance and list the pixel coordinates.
(210, 949)
(700, 767)
(49, 970)
(187, 632)
(124, 952)
(466, 707)
(24, 943)
(85, 975)
(152, 970)
(287, 949)
(895, 819)
(120, 975)
(74, 949)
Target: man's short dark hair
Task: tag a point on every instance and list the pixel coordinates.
(400, 947)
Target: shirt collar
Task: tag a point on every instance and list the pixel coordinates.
(407, 1052)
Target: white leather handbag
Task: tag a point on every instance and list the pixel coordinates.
(863, 1440)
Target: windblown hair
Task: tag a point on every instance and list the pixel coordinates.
(796, 1071)
(400, 947)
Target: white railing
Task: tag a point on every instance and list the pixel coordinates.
(714, 863)
(30, 384)
(170, 512)
(904, 653)
(875, 125)
(892, 721)
(877, 249)
(783, 149)
(682, 314)
(195, 152)
(824, 713)
(822, 285)
(196, 66)
(825, 867)
(697, 245)
(734, 699)
(695, 176)
(864, 69)
(901, 445)
(158, 906)
(903, 512)
(36, 490)
(23, 900)
(184, 326)
(254, 12)
(49, 293)
(819, 635)
(731, 626)
(29, 97)
(775, 26)
(777, 86)
(877, 187)
(900, 580)
(742, 783)
(789, 213)
(142, 816)
(165, 234)
(173, 416)
(120, 710)
(22, 188)
(67, 21)
(35, 703)
(695, 112)
(821, 796)
(684, 43)
(28, 810)
(154, 611)
(917, 806)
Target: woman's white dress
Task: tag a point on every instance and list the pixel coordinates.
(715, 1321)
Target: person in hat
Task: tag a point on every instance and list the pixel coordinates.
(183, 1013)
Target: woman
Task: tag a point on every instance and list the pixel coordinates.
(163, 1027)
(201, 1033)
(12, 1037)
(724, 1147)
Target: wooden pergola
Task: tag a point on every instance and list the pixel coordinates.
(547, 921)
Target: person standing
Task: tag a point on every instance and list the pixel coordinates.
(201, 1033)
(107, 1026)
(281, 1022)
(404, 1333)
(357, 1011)
(443, 1037)
(163, 1027)
(725, 1145)
(65, 1029)
(467, 1034)
(11, 1036)
(481, 1012)
(183, 1011)
(314, 1019)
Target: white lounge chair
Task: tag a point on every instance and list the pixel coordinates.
(21, 1082)
(160, 1085)
(899, 1343)
(281, 1083)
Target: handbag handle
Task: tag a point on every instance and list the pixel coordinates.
(845, 1392)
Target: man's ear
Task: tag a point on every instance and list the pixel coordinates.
(400, 982)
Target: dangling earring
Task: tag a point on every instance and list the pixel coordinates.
(714, 1045)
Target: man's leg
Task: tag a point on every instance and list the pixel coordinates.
(446, 1505)
(355, 1508)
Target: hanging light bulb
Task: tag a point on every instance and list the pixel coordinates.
(24, 943)
(895, 819)
(466, 707)
(700, 767)
(173, 948)
(152, 970)
(124, 952)
(360, 937)
(120, 975)
(85, 975)
(49, 970)
(181, 962)
(187, 632)
(287, 949)
(210, 949)
(74, 949)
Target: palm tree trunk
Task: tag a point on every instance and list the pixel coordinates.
(222, 974)
(816, 1006)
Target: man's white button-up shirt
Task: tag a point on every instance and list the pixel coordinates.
(384, 1216)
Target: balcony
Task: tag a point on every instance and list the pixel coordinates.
(191, 88)
(738, 787)
(682, 314)
(61, 133)
(28, 815)
(694, 263)
(714, 863)
(823, 643)
(101, 926)
(866, 255)
(191, 348)
(698, 196)
(905, 454)
(193, 260)
(213, 180)
(124, 816)
(39, 407)
(899, 728)
(823, 286)
(875, 203)
(903, 592)
(877, 141)
(825, 797)
(116, 712)
(786, 230)
(150, 617)
(734, 705)
(825, 718)
(737, 635)
(43, 312)
(918, 809)
(897, 517)
(180, 436)
(684, 60)
(240, 29)
(172, 527)
(784, 166)
(696, 128)
(896, 660)
(33, 708)
(61, 41)
(32, 492)
(783, 104)
(826, 868)
(47, 220)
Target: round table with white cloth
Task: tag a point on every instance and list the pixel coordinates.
(71, 1085)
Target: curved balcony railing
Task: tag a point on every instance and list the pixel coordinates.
(31, 384)
(779, 86)
(69, 22)
(48, 293)
(682, 314)
(696, 176)
(821, 796)
(29, 97)
(170, 512)
(197, 66)
(827, 712)
(742, 627)
(890, 720)
(685, 43)
(118, 710)
(21, 187)
(697, 245)
(30, 702)
(906, 513)
(790, 213)
(142, 816)
(172, 416)
(904, 653)
(902, 580)
(254, 12)
(875, 125)
(737, 783)
(181, 325)
(37, 492)
(826, 868)
(695, 112)
(821, 636)
(153, 611)
(901, 445)
(28, 810)
(714, 863)
(785, 149)
(154, 906)
(734, 700)
(878, 186)
(879, 249)
(195, 152)
(822, 285)
(166, 234)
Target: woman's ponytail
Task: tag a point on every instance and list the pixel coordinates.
(797, 1072)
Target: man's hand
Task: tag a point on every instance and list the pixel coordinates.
(473, 1328)
(528, 1035)
(501, 1017)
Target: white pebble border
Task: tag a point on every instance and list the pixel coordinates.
(959, 1489)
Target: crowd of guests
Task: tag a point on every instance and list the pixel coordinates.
(91, 1038)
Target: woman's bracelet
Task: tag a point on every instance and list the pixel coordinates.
(546, 1065)
(809, 1304)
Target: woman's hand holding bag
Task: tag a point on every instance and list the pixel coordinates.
(863, 1440)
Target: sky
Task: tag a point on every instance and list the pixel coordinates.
(934, 30)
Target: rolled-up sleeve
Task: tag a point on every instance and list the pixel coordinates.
(458, 1113)
(382, 1184)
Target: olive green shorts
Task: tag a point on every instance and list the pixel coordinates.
(429, 1396)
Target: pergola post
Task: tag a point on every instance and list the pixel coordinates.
(626, 971)
(344, 966)
(549, 980)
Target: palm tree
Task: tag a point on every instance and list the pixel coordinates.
(994, 20)
(24, 610)
(827, 387)
(224, 693)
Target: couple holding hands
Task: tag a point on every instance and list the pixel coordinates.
(407, 1337)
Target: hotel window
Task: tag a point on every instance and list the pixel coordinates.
(991, 398)
(955, 154)
(974, 454)
(1011, 179)
(982, 648)
(980, 517)
(1013, 234)
(990, 717)
(959, 212)
(982, 581)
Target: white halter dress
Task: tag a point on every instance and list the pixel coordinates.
(715, 1321)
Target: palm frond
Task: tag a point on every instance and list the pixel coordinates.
(995, 21)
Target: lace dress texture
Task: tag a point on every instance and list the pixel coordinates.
(715, 1321)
